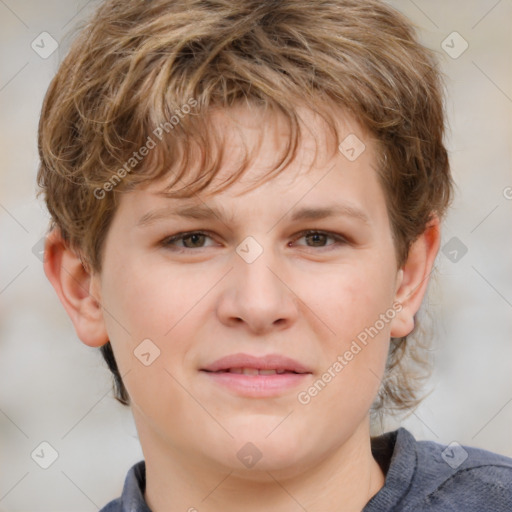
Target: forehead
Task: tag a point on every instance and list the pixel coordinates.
(249, 144)
(320, 181)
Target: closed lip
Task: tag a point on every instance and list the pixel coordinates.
(267, 362)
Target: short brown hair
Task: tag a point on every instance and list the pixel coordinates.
(136, 64)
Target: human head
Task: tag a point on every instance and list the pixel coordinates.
(149, 73)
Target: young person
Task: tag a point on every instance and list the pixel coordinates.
(246, 200)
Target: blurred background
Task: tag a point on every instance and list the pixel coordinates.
(56, 391)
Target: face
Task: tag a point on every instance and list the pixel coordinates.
(253, 302)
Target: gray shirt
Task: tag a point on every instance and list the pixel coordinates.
(421, 476)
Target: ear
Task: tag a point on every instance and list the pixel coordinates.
(74, 287)
(414, 276)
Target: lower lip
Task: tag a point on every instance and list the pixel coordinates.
(257, 385)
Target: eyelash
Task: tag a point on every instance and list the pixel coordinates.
(167, 242)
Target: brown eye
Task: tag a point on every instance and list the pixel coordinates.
(192, 240)
(317, 239)
(321, 238)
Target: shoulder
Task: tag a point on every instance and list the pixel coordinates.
(113, 506)
(459, 478)
(132, 499)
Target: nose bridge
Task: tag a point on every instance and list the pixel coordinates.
(256, 294)
(254, 279)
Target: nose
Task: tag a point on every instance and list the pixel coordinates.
(257, 295)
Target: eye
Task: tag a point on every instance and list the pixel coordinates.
(319, 238)
(197, 239)
(191, 240)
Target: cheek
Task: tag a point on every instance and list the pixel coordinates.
(150, 318)
(355, 356)
(149, 302)
(352, 298)
(353, 302)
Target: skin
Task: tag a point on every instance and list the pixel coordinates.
(304, 297)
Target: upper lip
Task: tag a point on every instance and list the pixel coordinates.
(267, 362)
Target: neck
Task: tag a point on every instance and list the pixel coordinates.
(343, 481)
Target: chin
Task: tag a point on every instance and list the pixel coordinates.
(263, 448)
(283, 464)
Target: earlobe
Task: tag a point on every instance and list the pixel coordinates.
(73, 284)
(413, 282)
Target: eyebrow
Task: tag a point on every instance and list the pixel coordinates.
(203, 212)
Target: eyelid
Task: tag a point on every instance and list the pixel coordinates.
(337, 237)
(180, 236)
(166, 242)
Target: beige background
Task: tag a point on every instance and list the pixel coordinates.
(54, 389)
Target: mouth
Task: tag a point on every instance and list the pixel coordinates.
(257, 377)
(256, 371)
(247, 364)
